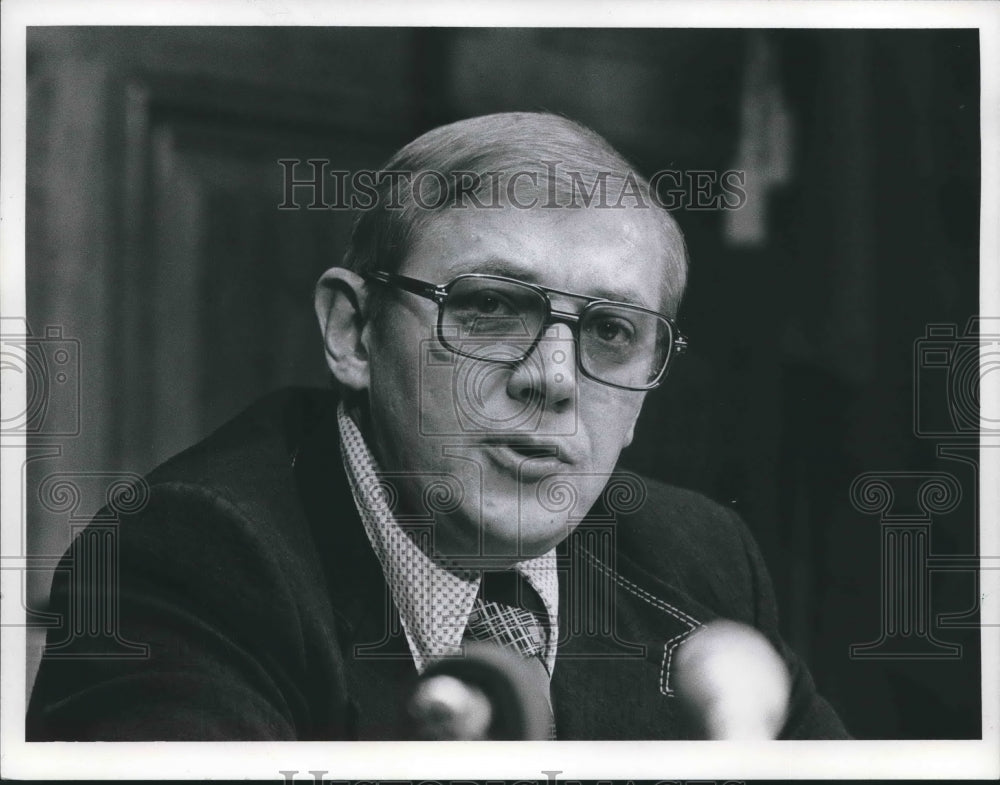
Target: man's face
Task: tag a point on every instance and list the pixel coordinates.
(526, 448)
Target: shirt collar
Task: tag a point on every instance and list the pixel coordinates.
(434, 603)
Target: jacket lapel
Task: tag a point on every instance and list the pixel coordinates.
(378, 665)
(620, 629)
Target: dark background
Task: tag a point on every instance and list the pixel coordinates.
(154, 239)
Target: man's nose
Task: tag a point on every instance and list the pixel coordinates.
(547, 376)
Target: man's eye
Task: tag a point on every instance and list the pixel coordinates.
(614, 332)
(490, 304)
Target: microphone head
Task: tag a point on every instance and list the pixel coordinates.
(733, 681)
(445, 708)
(487, 693)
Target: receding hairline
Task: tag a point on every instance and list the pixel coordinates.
(661, 241)
(511, 141)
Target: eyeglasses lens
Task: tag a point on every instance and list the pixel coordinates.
(500, 320)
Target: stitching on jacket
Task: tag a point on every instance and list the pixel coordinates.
(638, 591)
(663, 605)
(668, 655)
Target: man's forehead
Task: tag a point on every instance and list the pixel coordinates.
(613, 289)
(617, 255)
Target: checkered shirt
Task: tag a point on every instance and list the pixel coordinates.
(434, 603)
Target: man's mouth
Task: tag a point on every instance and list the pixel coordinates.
(527, 459)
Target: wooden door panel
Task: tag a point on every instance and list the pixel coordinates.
(224, 294)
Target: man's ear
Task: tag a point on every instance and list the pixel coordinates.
(341, 307)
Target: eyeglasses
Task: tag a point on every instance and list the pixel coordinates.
(498, 319)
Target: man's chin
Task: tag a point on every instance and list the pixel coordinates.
(500, 544)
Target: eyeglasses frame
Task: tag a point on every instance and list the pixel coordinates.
(439, 293)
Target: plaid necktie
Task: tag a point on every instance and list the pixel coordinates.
(499, 616)
(513, 628)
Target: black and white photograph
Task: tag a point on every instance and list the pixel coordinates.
(380, 374)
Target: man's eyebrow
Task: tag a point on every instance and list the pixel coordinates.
(494, 266)
(511, 269)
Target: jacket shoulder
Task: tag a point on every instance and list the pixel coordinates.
(217, 576)
(252, 445)
(696, 545)
(236, 489)
(668, 518)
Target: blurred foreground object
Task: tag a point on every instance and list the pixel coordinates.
(734, 682)
(443, 707)
(489, 693)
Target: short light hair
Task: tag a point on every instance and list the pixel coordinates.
(509, 142)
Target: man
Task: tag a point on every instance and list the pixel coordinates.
(505, 305)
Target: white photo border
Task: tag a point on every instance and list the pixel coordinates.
(535, 761)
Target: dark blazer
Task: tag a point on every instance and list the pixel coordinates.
(250, 605)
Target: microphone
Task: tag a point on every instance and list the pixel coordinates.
(489, 693)
(733, 682)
